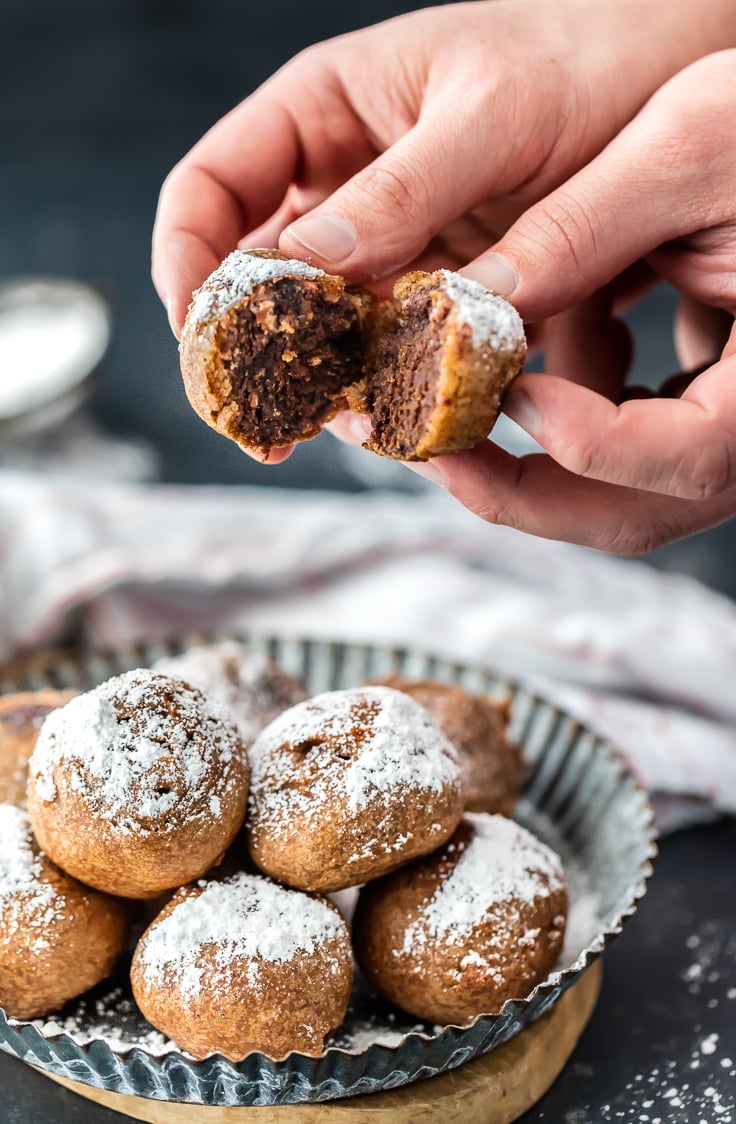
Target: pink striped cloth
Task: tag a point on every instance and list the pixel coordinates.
(647, 658)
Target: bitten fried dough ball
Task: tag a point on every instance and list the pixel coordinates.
(458, 933)
(139, 785)
(273, 348)
(269, 346)
(252, 688)
(58, 938)
(477, 726)
(442, 371)
(21, 716)
(349, 785)
(243, 964)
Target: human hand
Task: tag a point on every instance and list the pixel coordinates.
(419, 140)
(625, 476)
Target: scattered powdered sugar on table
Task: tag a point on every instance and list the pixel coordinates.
(502, 863)
(242, 917)
(370, 743)
(490, 318)
(237, 276)
(139, 748)
(250, 686)
(28, 903)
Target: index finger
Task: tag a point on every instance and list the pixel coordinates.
(228, 184)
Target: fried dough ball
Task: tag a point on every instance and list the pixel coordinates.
(349, 785)
(58, 938)
(242, 964)
(458, 933)
(138, 786)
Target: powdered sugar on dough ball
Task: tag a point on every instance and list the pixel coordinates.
(252, 688)
(348, 785)
(502, 861)
(244, 964)
(237, 276)
(491, 319)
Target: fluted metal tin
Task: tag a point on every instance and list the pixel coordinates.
(578, 795)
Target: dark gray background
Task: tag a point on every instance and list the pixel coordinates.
(97, 102)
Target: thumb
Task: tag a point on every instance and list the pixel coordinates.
(383, 218)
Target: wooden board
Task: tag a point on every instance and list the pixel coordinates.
(495, 1089)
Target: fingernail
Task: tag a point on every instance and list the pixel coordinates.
(360, 427)
(430, 470)
(520, 408)
(329, 238)
(170, 314)
(495, 272)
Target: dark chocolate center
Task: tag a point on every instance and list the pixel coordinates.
(289, 354)
(403, 388)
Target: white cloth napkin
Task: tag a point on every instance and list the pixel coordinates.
(647, 658)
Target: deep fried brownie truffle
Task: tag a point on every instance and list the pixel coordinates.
(349, 785)
(442, 372)
(252, 688)
(458, 933)
(269, 347)
(58, 938)
(139, 785)
(243, 964)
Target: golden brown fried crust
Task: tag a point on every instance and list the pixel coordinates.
(331, 849)
(477, 726)
(51, 953)
(294, 1005)
(449, 981)
(21, 716)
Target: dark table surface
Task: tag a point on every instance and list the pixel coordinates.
(97, 101)
(661, 1046)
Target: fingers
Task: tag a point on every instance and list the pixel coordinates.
(535, 495)
(228, 184)
(590, 346)
(701, 333)
(678, 447)
(666, 176)
(386, 214)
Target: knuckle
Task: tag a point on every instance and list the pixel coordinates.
(634, 538)
(564, 219)
(580, 457)
(395, 190)
(706, 476)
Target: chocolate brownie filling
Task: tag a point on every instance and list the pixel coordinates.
(288, 357)
(403, 391)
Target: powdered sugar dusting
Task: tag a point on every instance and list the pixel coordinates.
(491, 319)
(502, 863)
(27, 902)
(236, 277)
(142, 751)
(250, 686)
(242, 917)
(370, 743)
